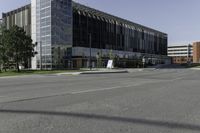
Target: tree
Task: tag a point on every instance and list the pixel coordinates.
(111, 56)
(28, 50)
(99, 59)
(4, 58)
(1, 46)
(19, 46)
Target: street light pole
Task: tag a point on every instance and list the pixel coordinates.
(40, 55)
(90, 39)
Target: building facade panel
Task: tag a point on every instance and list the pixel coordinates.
(33, 31)
(43, 33)
(53, 32)
(61, 23)
(196, 52)
(20, 17)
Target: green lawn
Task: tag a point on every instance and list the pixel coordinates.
(197, 67)
(191, 65)
(31, 72)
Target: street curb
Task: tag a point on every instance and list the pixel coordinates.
(72, 73)
(195, 68)
(105, 72)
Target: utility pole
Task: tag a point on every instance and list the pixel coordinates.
(40, 55)
(90, 41)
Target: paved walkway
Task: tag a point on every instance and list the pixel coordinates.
(102, 71)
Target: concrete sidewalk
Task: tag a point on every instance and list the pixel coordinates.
(195, 68)
(103, 71)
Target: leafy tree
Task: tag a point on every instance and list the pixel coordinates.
(4, 58)
(22, 46)
(111, 56)
(19, 46)
(1, 45)
(28, 50)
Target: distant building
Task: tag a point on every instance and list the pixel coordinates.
(196, 52)
(71, 35)
(183, 54)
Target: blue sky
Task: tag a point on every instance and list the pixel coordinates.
(178, 18)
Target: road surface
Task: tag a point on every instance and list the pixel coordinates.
(149, 101)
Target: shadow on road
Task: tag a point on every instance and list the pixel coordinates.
(165, 124)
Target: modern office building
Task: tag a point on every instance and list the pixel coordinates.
(126, 39)
(182, 54)
(71, 35)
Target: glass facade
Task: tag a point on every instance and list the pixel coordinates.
(43, 33)
(61, 32)
(53, 32)
(110, 32)
(126, 40)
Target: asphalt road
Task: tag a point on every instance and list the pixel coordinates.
(150, 101)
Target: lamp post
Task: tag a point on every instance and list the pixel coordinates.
(40, 55)
(90, 41)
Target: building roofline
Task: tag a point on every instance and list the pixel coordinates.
(101, 13)
(76, 5)
(197, 42)
(16, 10)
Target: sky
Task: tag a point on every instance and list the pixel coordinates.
(178, 18)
